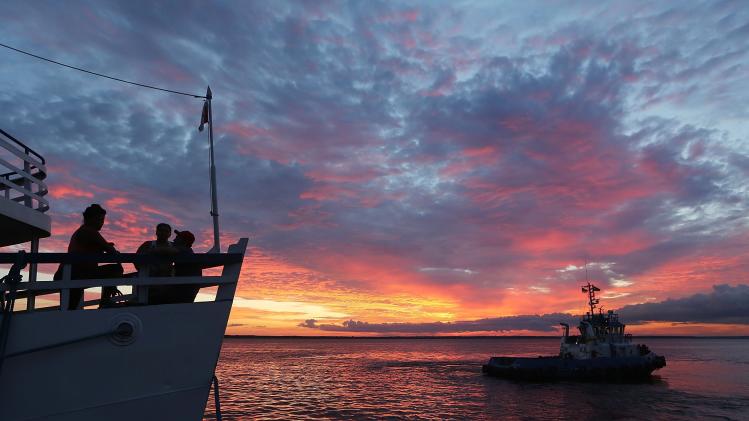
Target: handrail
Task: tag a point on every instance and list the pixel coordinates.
(23, 155)
(39, 175)
(205, 259)
(141, 284)
(43, 203)
(23, 145)
(110, 282)
(29, 175)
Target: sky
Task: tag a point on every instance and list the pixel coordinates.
(426, 168)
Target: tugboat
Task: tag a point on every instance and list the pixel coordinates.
(601, 352)
(131, 359)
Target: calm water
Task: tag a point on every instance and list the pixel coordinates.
(441, 379)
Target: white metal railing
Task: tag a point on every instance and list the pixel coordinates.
(22, 174)
(231, 262)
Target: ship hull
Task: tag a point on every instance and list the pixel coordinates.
(556, 368)
(69, 366)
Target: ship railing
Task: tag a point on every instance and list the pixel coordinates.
(23, 171)
(141, 283)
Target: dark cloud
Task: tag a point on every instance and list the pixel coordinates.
(724, 304)
(544, 323)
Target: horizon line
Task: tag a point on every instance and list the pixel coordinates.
(469, 337)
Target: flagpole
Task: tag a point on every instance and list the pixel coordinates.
(214, 201)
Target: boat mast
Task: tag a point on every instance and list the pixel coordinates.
(592, 300)
(214, 201)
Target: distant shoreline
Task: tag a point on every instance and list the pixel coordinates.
(463, 337)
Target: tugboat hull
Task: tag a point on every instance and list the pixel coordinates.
(557, 368)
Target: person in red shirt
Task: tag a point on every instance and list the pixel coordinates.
(87, 240)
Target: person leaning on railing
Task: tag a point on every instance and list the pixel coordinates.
(180, 293)
(183, 242)
(88, 240)
(161, 246)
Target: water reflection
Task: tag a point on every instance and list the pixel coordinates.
(441, 379)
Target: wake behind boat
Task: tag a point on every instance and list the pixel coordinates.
(602, 351)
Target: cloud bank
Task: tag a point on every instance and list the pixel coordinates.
(544, 323)
(725, 304)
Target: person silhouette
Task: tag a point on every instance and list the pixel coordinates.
(183, 241)
(87, 240)
(180, 293)
(161, 246)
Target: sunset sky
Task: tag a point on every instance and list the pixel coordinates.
(435, 167)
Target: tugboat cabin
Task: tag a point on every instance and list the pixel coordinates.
(601, 334)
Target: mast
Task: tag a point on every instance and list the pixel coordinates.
(592, 300)
(214, 201)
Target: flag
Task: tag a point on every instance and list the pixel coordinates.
(204, 116)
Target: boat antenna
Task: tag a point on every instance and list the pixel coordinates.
(586, 271)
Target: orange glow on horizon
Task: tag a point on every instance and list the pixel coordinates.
(277, 293)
